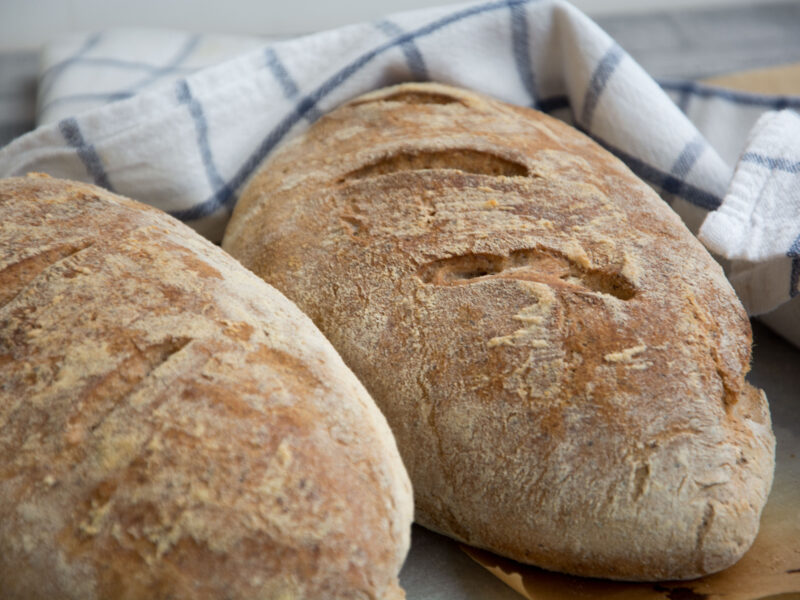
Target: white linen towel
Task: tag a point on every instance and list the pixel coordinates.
(181, 121)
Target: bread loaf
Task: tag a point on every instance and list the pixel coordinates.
(171, 427)
(560, 360)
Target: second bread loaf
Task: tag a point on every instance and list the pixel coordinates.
(561, 361)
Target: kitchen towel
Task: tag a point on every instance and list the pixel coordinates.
(181, 121)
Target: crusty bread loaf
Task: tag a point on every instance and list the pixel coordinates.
(171, 427)
(561, 362)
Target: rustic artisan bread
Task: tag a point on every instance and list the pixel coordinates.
(171, 427)
(561, 362)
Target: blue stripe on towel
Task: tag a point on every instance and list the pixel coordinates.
(794, 254)
(521, 47)
(773, 164)
(184, 95)
(183, 53)
(47, 78)
(416, 63)
(602, 73)
(154, 74)
(688, 156)
(745, 98)
(665, 181)
(284, 79)
(71, 131)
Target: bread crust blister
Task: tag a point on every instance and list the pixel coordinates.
(561, 361)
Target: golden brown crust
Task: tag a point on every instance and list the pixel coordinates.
(171, 426)
(560, 360)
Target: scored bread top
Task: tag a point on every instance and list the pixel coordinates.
(560, 360)
(173, 427)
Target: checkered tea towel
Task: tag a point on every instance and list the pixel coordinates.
(181, 121)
